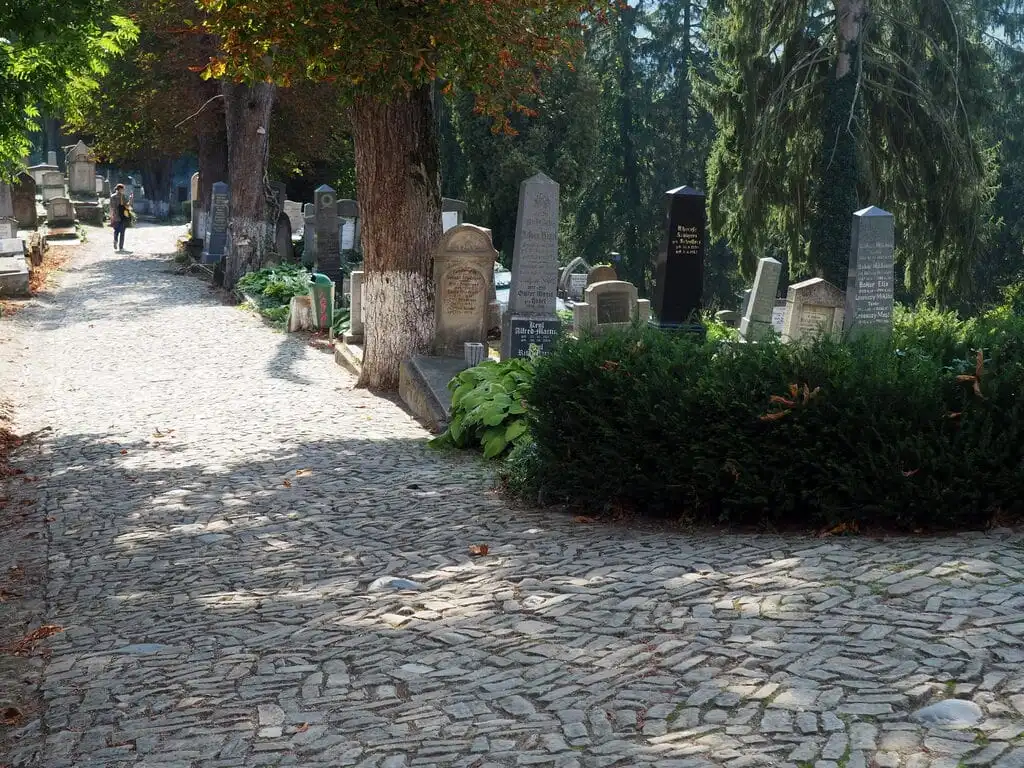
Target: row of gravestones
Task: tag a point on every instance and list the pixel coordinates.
(817, 307)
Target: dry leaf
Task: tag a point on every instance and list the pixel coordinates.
(302, 728)
(773, 416)
(287, 483)
(478, 550)
(158, 434)
(911, 472)
(124, 452)
(303, 472)
(584, 519)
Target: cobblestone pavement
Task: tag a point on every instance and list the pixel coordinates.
(219, 500)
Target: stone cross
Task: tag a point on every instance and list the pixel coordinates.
(679, 269)
(325, 223)
(463, 272)
(869, 286)
(757, 321)
(530, 321)
(216, 239)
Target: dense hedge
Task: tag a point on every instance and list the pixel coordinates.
(897, 432)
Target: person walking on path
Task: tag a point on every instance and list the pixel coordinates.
(119, 214)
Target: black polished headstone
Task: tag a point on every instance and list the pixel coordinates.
(217, 224)
(531, 334)
(328, 240)
(679, 269)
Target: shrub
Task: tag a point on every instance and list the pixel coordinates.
(902, 433)
(487, 407)
(276, 285)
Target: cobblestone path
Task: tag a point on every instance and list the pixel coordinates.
(218, 500)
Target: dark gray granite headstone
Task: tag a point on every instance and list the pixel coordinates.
(328, 240)
(869, 286)
(216, 239)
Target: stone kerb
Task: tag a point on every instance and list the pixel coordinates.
(463, 271)
(609, 305)
(813, 307)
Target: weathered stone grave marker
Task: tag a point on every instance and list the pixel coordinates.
(757, 321)
(216, 240)
(463, 271)
(453, 213)
(609, 305)
(679, 269)
(325, 223)
(869, 286)
(81, 167)
(530, 321)
(52, 186)
(813, 307)
(23, 200)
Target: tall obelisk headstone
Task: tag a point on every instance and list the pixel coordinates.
(871, 279)
(328, 240)
(530, 321)
(215, 242)
(679, 269)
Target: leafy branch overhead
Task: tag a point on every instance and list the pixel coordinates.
(495, 48)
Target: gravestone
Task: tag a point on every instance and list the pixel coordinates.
(23, 200)
(729, 317)
(216, 239)
(813, 307)
(609, 305)
(52, 186)
(293, 211)
(13, 268)
(463, 271)
(348, 224)
(679, 269)
(278, 193)
(283, 238)
(869, 286)
(196, 230)
(602, 273)
(325, 223)
(8, 228)
(573, 279)
(59, 213)
(779, 316)
(89, 212)
(6, 201)
(81, 167)
(453, 212)
(308, 235)
(530, 321)
(355, 309)
(98, 181)
(757, 321)
(37, 171)
(51, 158)
(746, 302)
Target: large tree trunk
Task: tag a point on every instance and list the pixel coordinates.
(247, 111)
(635, 262)
(838, 175)
(213, 157)
(400, 209)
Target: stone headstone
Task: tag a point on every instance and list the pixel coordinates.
(308, 235)
(8, 228)
(52, 186)
(453, 212)
(347, 233)
(37, 171)
(89, 212)
(757, 321)
(98, 181)
(572, 279)
(813, 307)
(779, 316)
(12, 246)
(216, 240)
(610, 305)
(81, 167)
(293, 211)
(325, 223)
(530, 321)
(602, 273)
(729, 317)
(869, 286)
(463, 271)
(51, 158)
(23, 200)
(59, 212)
(679, 269)
(194, 187)
(577, 285)
(348, 209)
(6, 201)
(283, 238)
(356, 330)
(746, 302)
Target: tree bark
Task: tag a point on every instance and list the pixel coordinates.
(399, 192)
(247, 111)
(213, 157)
(634, 260)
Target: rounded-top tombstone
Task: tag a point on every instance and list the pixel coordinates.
(602, 273)
(463, 271)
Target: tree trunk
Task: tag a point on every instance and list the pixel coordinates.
(634, 260)
(838, 174)
(400, 209)
(247, 111)
(213, 157)
(156, 179)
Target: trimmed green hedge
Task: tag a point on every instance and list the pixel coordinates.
(888, 432)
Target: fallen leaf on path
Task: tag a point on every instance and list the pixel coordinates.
(25, 645)
(124, 452)
(158, 434)
(303, 472)
(478, 550)
(584, 519)
(302, 728)
(287, 483)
